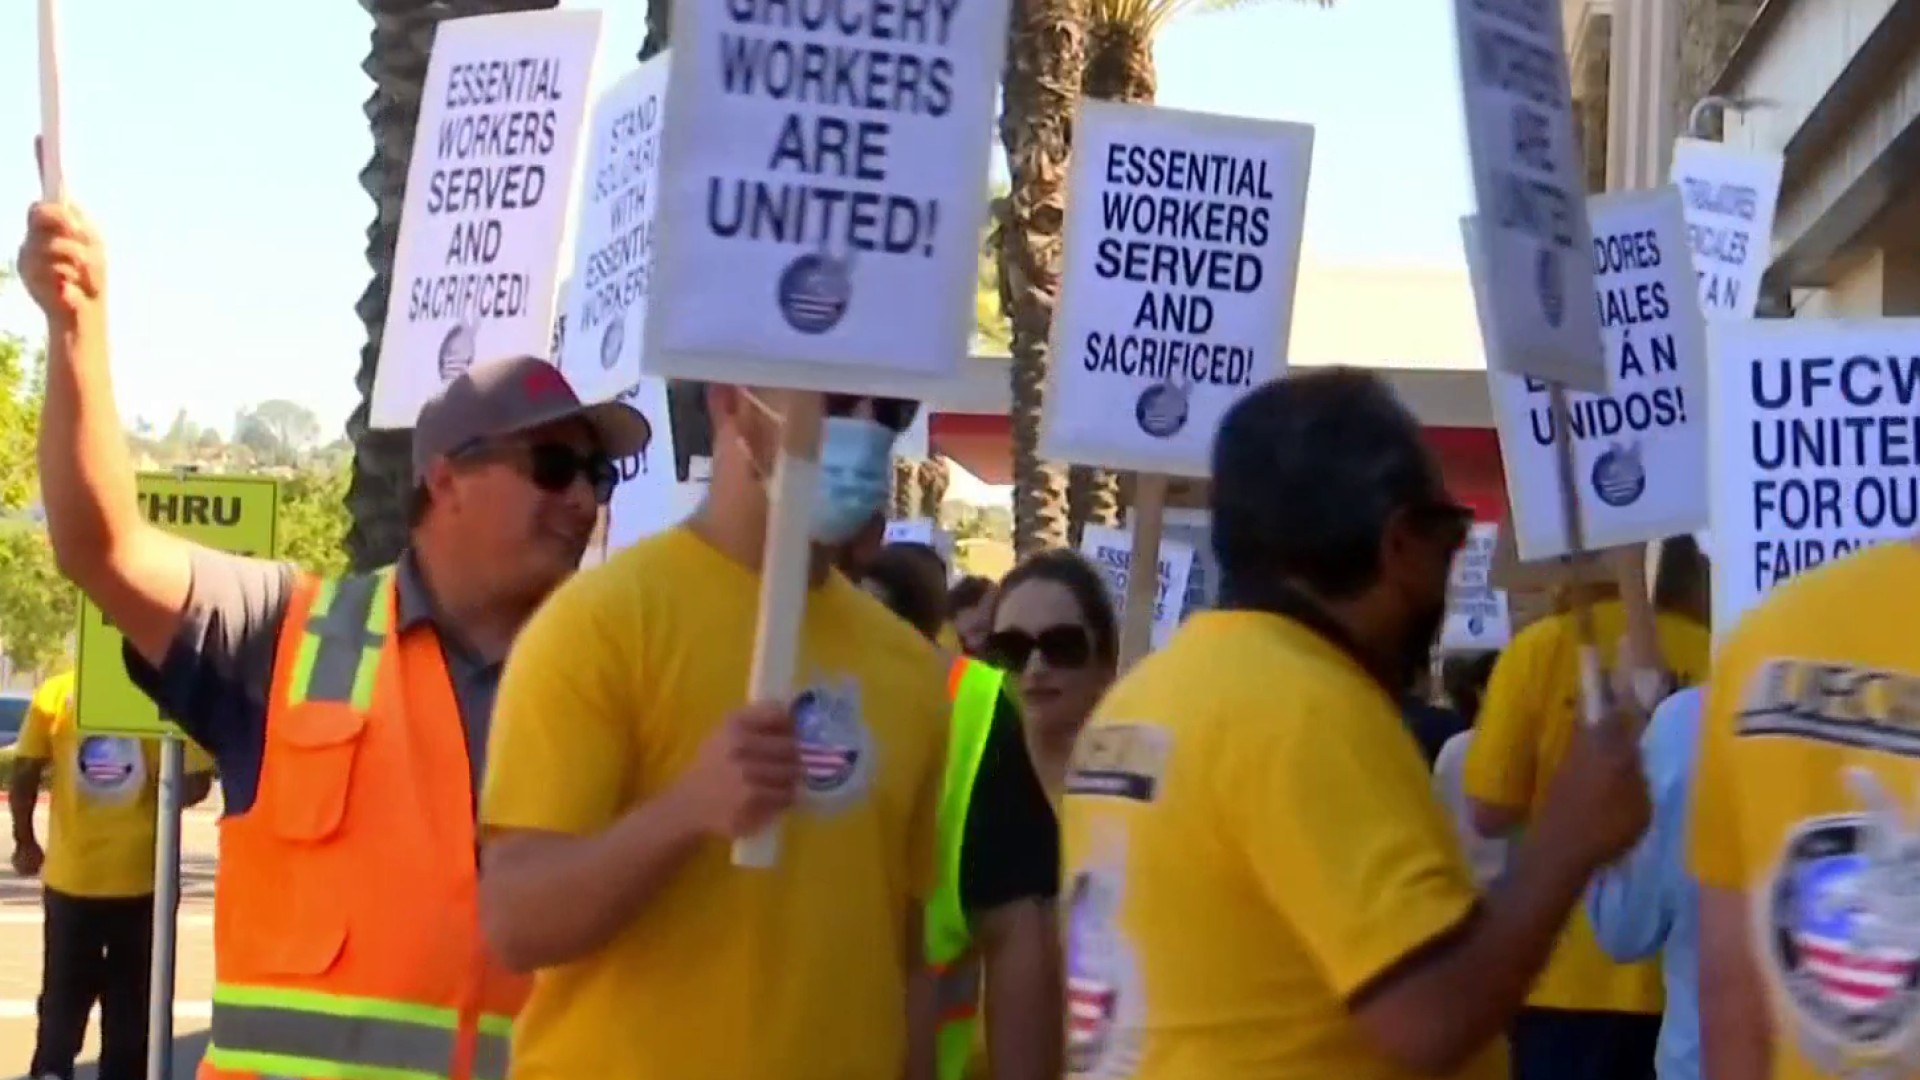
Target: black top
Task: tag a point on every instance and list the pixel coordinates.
(1431, 725)
(1011, 849)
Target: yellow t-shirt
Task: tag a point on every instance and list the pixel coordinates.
(791, 973)
(1526, 720)
(104, 795)
(1808, 797)
(1250, 840)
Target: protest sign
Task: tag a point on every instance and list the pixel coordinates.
(1182, 246)
(613, 256)
(644, 502)
(1729, 198)
(1477, 614)
(563, 301)
(822, 192)
(1814, 447)
(915, 443)
(924, 531)
(1640, 451)
(1530, 189)
(237, 514)
(1111, 552)
(1194, 528)
(478, 261)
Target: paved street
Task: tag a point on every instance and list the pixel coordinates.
(20, 954)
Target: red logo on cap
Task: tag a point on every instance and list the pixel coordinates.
(545, 381)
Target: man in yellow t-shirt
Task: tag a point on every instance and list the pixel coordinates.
(623, 760)
(97, 878)
(1260, 883)
(1587, 1017)
(1806, 830)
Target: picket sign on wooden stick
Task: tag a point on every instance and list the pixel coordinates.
(1593, 690)
(783, 583)
(1147, 517)
(53, 185)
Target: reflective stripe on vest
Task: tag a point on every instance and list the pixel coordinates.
(340, 652)
(304, 1033)
(974, 689)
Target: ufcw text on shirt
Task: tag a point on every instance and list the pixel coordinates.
(500, 119)
(844, 68)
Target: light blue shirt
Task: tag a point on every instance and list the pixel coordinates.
(1647, 903)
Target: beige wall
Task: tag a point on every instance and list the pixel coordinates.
(1882, 282)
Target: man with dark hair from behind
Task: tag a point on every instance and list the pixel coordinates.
(991, 914)
(1323, 921)
(970, 612)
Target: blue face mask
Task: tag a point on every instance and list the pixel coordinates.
(856, 469)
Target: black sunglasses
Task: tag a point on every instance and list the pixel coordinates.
(554, 467)
(1065, 647)
(895, 414)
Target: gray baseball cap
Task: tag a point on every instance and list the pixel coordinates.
(501, 398)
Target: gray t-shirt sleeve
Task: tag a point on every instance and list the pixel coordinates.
(218, 672)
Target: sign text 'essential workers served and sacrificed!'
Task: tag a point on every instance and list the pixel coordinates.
(477, 265)
(235, 514)
(1730, 196)
(1530, 190)
(1182, 248)
(1814, 447)
(1640, 451)
(604, 306)
(823, 190)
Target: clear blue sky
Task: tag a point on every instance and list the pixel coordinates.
(217, 144)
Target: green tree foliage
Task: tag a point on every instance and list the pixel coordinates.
(38, 608)
(313, 516)
(992, 333)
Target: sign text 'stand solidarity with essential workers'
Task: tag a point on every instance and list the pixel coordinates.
(1640, 451)
(1182, 246)
(820, 191)
(477, 264)
(237, 514)
(1531, 192)
(1814, 447)
(1111, 552)
(1729, 197)
(605, 304)
(1477, 613)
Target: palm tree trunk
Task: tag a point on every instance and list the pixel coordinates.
(397, 62)
(659, 12)
(1046, 55)
(905, 490)
(933, 478)
(1119, 68)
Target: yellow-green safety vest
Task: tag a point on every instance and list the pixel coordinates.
(974, 689)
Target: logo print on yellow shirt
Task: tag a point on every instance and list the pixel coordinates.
(836, 751)
(1104, 1009)
(1124, 761)
(109, 769)
(1841, 926)
(1834, 703)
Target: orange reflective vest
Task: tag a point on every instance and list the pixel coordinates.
(346, 913)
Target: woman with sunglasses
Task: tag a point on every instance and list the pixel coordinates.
(1054, 630)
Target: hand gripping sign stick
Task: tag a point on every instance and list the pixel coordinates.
(783, 584)
(1148, 518)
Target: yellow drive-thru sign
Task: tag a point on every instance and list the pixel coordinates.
(229, 513)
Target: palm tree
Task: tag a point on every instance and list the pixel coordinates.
(1046, 54)
(397, 62)
(931, 477)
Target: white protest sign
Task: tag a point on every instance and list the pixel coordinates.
(1814, 447)
(1477, 613)
(613, 255)
(562, 300)
(915, 443)
(822, 191)
(1194, 528)
(923, 531)
(478, 260)
(645, 502)
(1730, 199)
(1530, 189)
(1111, 552)
(1639, 453)
(1176, 297)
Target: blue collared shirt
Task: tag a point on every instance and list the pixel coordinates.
(1647, 903)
